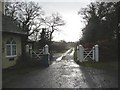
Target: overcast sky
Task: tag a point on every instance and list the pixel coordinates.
(68, 9)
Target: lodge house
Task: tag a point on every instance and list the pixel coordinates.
(11, 40)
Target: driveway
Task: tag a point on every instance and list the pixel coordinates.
(64, 73)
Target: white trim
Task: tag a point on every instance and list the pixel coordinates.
(11, 50)
(11, 56)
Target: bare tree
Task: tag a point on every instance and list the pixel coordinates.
(26, 14)
(53, 22)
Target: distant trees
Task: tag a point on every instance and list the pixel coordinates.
(59, 47)
(62, 46)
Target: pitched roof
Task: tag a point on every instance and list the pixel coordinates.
(9, 25)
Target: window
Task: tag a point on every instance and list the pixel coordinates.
(11, 48)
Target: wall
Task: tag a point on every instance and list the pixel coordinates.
(5, 60)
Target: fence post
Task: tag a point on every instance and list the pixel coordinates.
(30, 49)
(27, 49)
(47, 55)
(96, 53)
(93, 54)
(46, 49)
(81, 50)
(78, 53)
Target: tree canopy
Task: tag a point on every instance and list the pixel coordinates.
(101, 21)
(31, 18)
(26, 14)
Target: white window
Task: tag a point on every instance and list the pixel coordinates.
(10, 48)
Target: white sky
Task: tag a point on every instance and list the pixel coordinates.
(68, 9)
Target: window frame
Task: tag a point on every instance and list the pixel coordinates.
(11, 44)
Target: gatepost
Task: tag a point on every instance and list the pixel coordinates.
(47, 55)
(46, 49)
(30, 50)
(81, 50)
(78, 54)
(27, 49)
(96, 53)
(93, 54)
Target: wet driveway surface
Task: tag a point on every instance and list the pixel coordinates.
(64, 73)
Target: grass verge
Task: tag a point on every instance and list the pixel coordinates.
(111, 65)
(100, 65)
